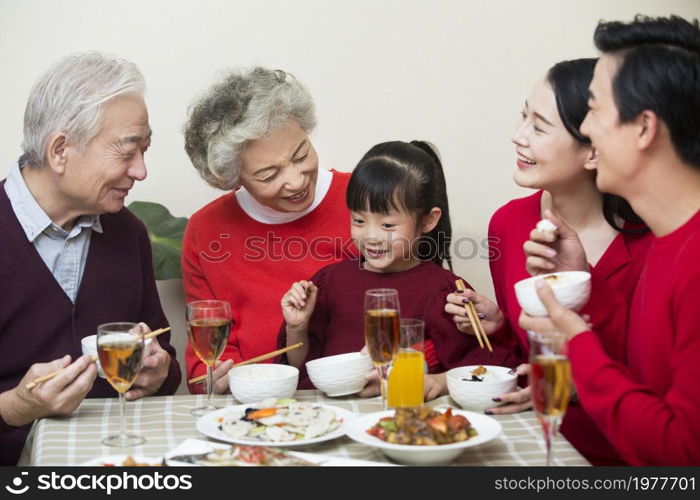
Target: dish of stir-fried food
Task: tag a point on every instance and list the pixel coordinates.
(423, 426)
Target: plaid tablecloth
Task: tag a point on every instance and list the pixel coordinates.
(166, 421)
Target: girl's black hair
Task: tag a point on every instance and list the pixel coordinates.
(405, 176)
(570, 81)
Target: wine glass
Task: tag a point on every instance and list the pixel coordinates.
(120, 349)
(382, 331)
(208, 325)
(550, 382)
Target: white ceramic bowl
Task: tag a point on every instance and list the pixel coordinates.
(486, 427)
(252, 383)
(340, 375)
(571, 288)
(478, 396)
(89, 346)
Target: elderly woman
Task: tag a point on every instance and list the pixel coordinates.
(281, 221)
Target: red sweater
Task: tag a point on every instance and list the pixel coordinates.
(337, 324)
(617, 271)
(650, 408)
(227, 255)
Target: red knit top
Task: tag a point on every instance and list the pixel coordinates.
(618, 270)
(649, 408)
(228, 255)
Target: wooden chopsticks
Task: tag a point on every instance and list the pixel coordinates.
(473, 316)
(262, 357)
(31, 385)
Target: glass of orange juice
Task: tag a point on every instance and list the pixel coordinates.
(406, 374)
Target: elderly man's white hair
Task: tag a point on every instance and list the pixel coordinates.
(69, 98)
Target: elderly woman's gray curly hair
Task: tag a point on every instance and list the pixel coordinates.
(246, 105)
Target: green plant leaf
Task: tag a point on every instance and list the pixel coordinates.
(165, 233)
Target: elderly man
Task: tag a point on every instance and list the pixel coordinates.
(72, 257)
(643, 120)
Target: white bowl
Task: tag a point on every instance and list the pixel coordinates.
(478, 396)
(571, 289)
(251, 383)
(340, 375)
(89, 347)
(486, 427)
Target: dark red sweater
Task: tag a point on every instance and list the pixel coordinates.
(337, 324)
(39, 323)
(649, 408)
(618, 270)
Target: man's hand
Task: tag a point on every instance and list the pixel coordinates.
(156, 364)
(60, 395)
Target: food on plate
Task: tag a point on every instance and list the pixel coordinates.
(423, 426)
(238, 455)
(130, 461)
(546, 226)
(287, 420)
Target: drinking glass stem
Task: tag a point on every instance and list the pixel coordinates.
(550, 434)
(383, 371)
(122, 415)
(210, 385)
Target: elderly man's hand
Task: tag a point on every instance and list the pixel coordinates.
(156, 365)
(60, 395)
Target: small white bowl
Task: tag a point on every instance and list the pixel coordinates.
(252, 383)
(571, 289)
(341, 374)
(478, 396)
(89, 346)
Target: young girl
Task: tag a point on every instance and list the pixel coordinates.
(400, 223)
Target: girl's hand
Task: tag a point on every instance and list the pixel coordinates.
(515, 401)
(435, 385)
(490, 315)
(298, 304)
(548, 252)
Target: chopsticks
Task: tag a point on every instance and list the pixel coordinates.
(31, 385)
(474, 320)
(262, 357)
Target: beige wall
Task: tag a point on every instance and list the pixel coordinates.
(453, 72)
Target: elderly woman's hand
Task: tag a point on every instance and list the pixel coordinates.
(489, 313)
(560, 319)
(548, 252)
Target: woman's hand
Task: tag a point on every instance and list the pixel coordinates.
(548, 252)
(513, 402)
(490, 315)
(298, 304)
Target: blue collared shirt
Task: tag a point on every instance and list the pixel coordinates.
(63, 252)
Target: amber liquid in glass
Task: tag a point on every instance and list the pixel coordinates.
(121, 362)
(550, 378)
(208, 338)
(382, 334)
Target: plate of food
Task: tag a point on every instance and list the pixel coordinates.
(123, 461)
(423, 435)
(284, 423)
(196, 452)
